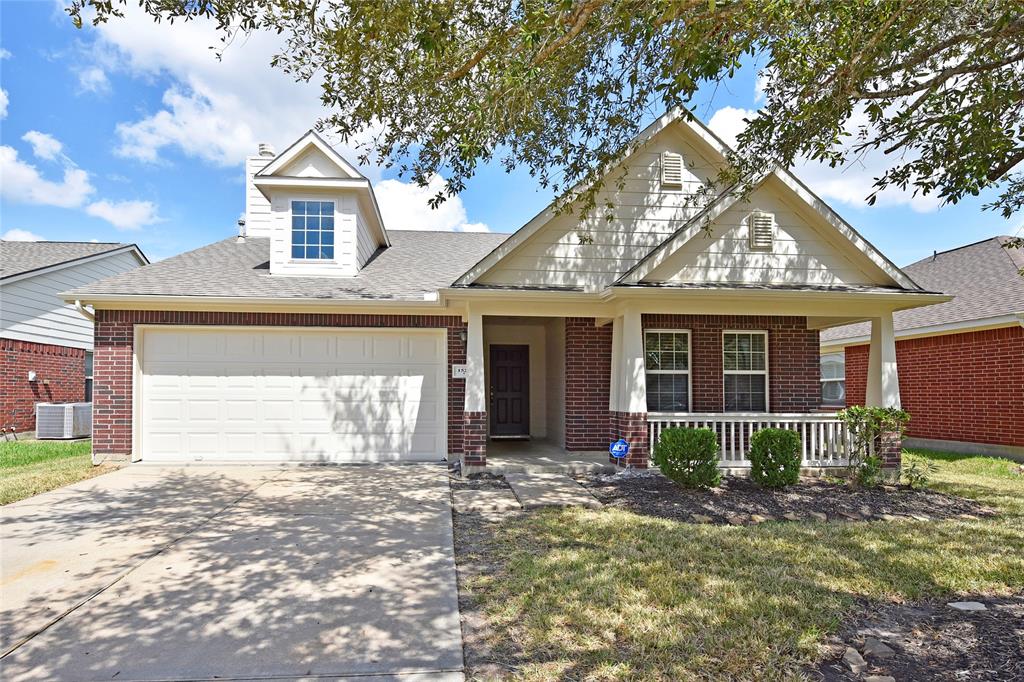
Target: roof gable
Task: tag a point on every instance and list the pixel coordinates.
(704, 154)
(310, 157)
(27, 259)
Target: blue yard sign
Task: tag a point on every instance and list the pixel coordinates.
(619, 449)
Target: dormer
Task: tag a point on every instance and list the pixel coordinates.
(318, 211)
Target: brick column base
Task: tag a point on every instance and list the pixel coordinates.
(632, 426)
(474, 440)
(890, 451)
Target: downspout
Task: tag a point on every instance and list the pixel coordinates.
(84, 312)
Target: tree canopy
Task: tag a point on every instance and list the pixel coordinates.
(561, 86)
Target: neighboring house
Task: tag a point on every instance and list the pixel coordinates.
(321, 336)
(961, 363)
(40, 334)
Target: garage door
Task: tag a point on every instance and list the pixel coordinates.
(292, 395)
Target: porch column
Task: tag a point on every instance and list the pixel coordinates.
(628, 403)
(474, 449)
(883, 386)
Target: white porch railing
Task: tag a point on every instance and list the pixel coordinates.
(824, 440)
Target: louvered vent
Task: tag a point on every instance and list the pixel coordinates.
(671, 169)
(762, 230)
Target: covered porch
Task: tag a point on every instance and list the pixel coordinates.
(584, 382)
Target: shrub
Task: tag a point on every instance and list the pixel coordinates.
(866, 426)
(917, 473)
(775, 457)
(689, 457)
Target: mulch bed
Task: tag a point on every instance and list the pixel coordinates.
(739, 501)
(931, 641)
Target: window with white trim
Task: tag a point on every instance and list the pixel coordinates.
(745, 369)
(667, 370)
(313, 230)
(833, 379)
(88, 376)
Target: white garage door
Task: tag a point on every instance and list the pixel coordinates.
(292, 395)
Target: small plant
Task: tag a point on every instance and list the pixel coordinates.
(775, 457)
(689, 457)
(918, 473)
(866, 426)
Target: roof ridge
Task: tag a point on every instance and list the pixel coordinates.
(955, 248)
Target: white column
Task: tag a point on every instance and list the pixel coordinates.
(633, 388)
(616, 379)
(476, 396)
(883, 389)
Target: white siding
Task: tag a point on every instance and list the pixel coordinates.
(257, 207)
(805, 250)
(346, 210)
(312, 163)
(31, 311)
(644, 215)
(366, 245)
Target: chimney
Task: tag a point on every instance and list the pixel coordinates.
(267, 149)
(257, 208)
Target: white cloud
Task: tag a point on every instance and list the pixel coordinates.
(93, 79)
(850, 184)
(4, 53)
(23, 182)
(43, 146)
(214, 110)
(404, 207)
(17, 235)
(124, 215)
(4, 100)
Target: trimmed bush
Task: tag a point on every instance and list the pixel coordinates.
(689, 457)
(775, 457)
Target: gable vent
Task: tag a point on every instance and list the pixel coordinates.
(761, 226)
(671, 169)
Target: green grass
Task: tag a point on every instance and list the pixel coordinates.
(33, 466)
(607, 594)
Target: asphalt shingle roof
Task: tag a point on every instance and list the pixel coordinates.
(984, 279)
(416, 263)
(17, 258)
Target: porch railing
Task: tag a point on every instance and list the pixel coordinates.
(824, 440)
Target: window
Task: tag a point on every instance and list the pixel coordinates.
(671, 169)
(88, 376)
(745, 365)
(761, 230)
(313, 230)
(667, 369)
(833, 380)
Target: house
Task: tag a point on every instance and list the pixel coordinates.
(46, 348)
(320, 335)
(961, 363)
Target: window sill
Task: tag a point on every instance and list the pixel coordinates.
(312, 261)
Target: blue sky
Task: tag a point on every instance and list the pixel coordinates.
(135, 132)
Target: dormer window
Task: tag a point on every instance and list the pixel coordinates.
(313, 230)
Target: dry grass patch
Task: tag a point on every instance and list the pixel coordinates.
(608, 594)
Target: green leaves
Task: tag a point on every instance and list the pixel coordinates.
(561, 86)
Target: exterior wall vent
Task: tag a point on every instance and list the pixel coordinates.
(671, 169)
(63, 420)
(761, 230)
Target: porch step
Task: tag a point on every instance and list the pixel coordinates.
(549, 490)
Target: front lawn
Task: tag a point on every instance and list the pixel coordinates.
(29, 467)
(609, 594)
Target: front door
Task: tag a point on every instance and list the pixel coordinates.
(510, 391)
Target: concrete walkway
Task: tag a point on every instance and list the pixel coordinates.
(549, 490)
(233, 572)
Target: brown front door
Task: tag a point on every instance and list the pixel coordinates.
(510, 391)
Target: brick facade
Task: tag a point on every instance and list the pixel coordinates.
(114, 346)
(965, 387)
(474, 439)
(588, 374)
(793, 374)
(60, 378)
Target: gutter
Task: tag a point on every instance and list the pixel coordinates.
(979, 324)
(84, 312)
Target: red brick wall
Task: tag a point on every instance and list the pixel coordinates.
(112, 370)
(965, 387)
(632, 426)
(588, 372)
(794, 365)
(60, 378)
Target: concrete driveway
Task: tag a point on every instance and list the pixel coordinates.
(191, 573)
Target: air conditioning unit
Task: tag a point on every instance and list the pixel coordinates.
(63, 420)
